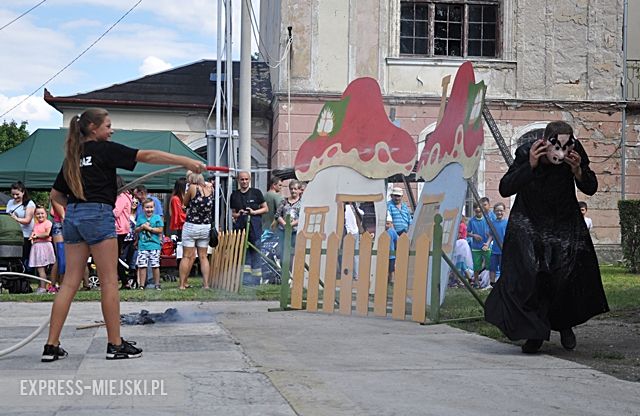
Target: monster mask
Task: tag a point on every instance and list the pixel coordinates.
(559, 147)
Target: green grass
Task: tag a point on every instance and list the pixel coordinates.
(169, 292)
(622, 290)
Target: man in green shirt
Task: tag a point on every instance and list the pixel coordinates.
(273, 198)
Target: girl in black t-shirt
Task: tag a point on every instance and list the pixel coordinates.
(86, 186)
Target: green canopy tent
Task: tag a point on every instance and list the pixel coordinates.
(37, 160)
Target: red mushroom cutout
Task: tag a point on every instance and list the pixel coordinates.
(459, 136)
(356, 132)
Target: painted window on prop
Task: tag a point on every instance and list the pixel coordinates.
(449, 28)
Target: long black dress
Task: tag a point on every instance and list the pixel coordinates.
(550, 279)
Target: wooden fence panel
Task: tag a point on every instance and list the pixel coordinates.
(298, 271)
(314, 272)
(329, 292)
(402, 293)
(222, 257)
(215, 259)
(400, 279)
(382, 266)
(229, 256)
(236, 266)
(364, 273)
(419, 298)
(225, 259)
(346, 274)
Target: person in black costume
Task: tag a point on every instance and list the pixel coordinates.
(550, 274)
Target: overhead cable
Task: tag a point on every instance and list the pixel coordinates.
(22, 15)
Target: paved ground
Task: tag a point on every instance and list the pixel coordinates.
(235, 358)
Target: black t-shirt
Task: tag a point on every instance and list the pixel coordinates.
(98, 165)
(253, 198)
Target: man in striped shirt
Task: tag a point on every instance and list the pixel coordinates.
(399, 211)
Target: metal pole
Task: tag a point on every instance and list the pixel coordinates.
(229, 98)
(218, 117)
(623, 138)
(285, 274)
(244, 126)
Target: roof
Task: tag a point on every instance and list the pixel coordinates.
(188, 86)
(38, 159)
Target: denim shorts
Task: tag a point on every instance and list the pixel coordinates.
(494, 262)
(56, 228)
(89, 222)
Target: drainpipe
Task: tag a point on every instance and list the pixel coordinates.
(623, 138)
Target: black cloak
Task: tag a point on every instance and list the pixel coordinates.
(550, 278)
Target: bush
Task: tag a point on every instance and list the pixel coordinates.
(630, 233)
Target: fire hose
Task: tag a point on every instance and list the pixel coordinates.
(38, 330)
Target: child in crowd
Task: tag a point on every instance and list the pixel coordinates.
(485, 202)
(149, 228)
(478, 233)
(42, 254)
(500, 225)
(583, 209)
(462, 228)
(393, 236)
(462, 255)
(59, 268)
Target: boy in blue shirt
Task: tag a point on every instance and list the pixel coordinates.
(478, 233)
(149, 228)
(500, 225)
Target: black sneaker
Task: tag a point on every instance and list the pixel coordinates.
(52, 353)
(125, 350)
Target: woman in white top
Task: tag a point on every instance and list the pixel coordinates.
(21, 208)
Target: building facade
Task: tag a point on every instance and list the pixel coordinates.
(541, 61)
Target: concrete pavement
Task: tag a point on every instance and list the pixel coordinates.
(235, 358)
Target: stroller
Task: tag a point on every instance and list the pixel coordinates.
(94, 281)
(11, 242)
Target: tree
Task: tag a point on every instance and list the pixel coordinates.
(12, 135)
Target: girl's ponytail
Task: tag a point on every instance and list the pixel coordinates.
(74, 147)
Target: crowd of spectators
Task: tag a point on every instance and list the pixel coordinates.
(140, 228)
